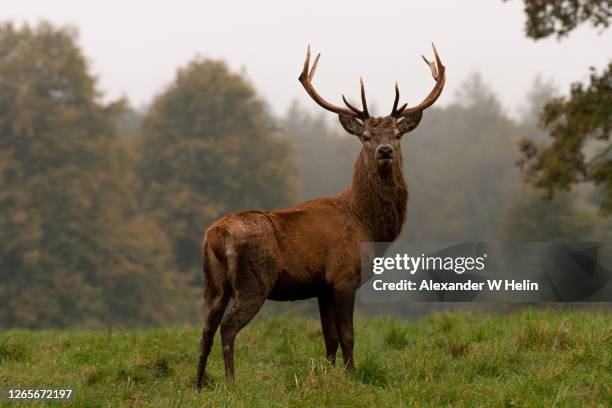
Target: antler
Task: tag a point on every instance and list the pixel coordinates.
(438, 73)
(306, 78)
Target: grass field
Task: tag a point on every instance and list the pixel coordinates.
(533, 358)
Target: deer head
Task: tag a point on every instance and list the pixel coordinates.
(380, 136)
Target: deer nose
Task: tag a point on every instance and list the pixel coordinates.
(384, 152)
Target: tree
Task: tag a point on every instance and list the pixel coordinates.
(324, 156)
(560, 17)
(574, 123)
(460, 167)
(564, 218)
(541, 92)
(73, 249)
(209, 146)
(579, 123)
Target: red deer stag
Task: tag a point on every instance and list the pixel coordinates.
(312, 249)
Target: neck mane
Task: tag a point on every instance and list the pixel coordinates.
(379, 200)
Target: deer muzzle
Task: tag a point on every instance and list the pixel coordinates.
(384, 152)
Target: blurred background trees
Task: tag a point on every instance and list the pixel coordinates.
(103, 206)
(208, 146)
(73, 245)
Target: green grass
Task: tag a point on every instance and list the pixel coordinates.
(534, 358)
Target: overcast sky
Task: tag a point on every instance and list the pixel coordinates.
(136, 46)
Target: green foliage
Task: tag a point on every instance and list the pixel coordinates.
(564, 217)
(574, 123)
(559, 17)
(208, 147)
(579, 122)
(73, 249)
(528, 359)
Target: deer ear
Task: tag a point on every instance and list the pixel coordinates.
(351, 125)
(410, 122)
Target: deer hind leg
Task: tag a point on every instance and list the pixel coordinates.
(344, 303)
(242, 312)
(328, 324)
(244, 270)
(213, 315)
(216, 298)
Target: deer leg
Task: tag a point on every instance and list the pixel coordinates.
(244, 309)
(214, 306)
(328, 324)
(344, 303)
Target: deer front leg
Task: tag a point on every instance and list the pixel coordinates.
(328, 324)
(344, 303)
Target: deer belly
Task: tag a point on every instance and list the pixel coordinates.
(292, 287)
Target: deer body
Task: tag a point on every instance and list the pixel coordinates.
(312, 249)
(312, 246)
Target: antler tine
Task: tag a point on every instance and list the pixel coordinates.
(314, 67)
(395, 112)
(432, 66)
(435, 50)
(361, 113)
(438, 72)
(351, 107)
(305, 79)
(363, 98)
(306, 64)
(395, 102)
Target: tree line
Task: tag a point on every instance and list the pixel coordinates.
(99, 227)
(103, 207)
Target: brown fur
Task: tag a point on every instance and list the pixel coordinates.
(310, 250)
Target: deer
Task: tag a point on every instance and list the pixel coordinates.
(312, 250)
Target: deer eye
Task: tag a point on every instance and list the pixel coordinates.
(365, 138)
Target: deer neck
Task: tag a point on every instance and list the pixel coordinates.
(378, 200)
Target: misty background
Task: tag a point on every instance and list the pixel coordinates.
(128, 128)
(135, 47)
